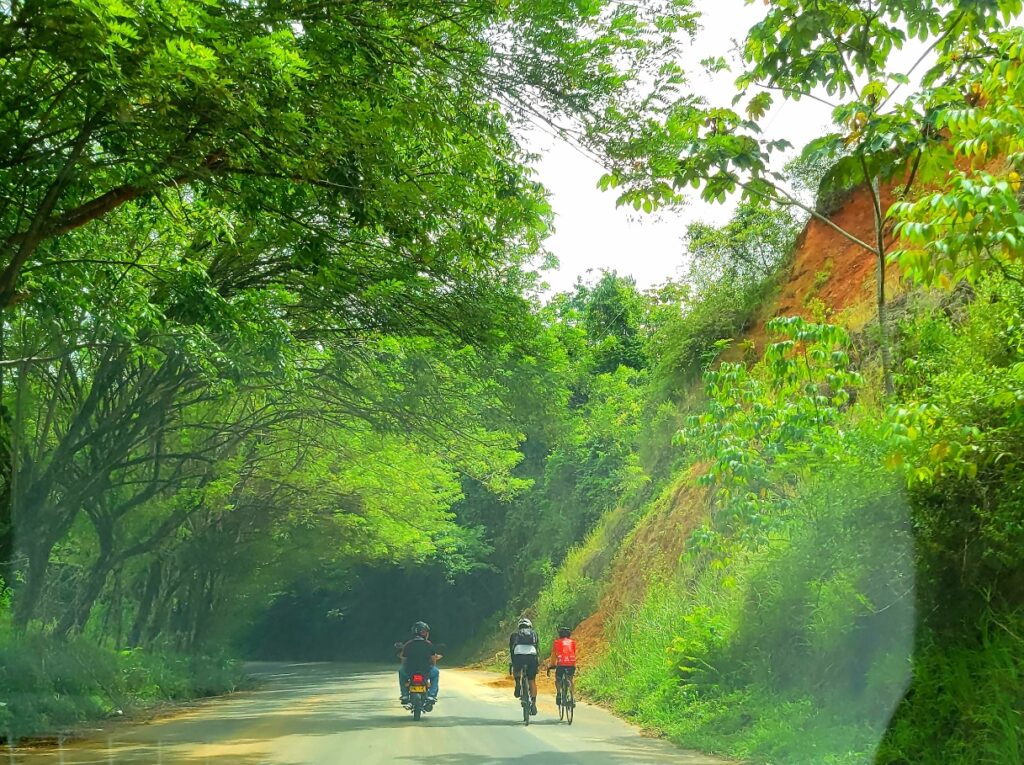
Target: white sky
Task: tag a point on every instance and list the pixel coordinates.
(591, 233)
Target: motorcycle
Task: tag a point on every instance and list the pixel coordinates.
(416, 690)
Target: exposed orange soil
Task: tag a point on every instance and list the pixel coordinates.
(828, 266)
(821, 247)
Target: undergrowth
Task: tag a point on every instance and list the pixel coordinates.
(48, 686)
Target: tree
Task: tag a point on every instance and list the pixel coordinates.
(612, 318)
(265, 284)
(280, 109)
(839, 53)
(746, 249)
(970, 220)
(136, 396)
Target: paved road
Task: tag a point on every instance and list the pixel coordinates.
(323, 714)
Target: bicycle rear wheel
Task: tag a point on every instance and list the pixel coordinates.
(570, 705)
(524, 685)
(561, 690)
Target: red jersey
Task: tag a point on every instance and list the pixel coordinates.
(564, 651)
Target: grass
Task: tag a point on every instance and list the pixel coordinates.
(48, 687)
(967, 701)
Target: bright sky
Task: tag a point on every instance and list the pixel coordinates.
(591, 233)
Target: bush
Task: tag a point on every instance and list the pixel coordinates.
(48, 686)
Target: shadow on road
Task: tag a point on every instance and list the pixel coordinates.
(619, 751)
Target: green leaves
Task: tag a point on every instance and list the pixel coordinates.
(964, 422)
(763, 427)
(974, 222)
(759, 105)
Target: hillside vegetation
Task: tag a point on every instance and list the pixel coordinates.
(826, 566)
(831, 559)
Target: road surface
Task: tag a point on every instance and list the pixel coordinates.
(326, 714)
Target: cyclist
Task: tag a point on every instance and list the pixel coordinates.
(522, 648)
(419, 656)
(563, 659)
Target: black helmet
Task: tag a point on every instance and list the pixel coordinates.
(420, 628)
(564, 632)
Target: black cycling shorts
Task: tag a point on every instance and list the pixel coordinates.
(561, 672)
(530, 661)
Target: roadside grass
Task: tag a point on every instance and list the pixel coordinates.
(793, 651)
(967, 704)
(49, 686)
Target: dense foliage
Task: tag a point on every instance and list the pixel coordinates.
(853, 593)
(267, 292)
(859, 561)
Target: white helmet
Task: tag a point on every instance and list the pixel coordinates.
(525, 623)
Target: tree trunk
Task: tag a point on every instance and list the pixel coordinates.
(883, 323)
(113, 617)
(204, 611)
(150, 593)
(6, 475)
(165, 610)
(77, 616)
(28, 595)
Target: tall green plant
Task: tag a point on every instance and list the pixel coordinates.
(761, 425)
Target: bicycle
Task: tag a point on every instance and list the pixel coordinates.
(524, 694)
(564, 696)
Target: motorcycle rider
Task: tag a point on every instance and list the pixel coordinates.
(522, 648)
(419, 656)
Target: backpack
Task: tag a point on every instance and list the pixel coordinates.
(525, 642)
